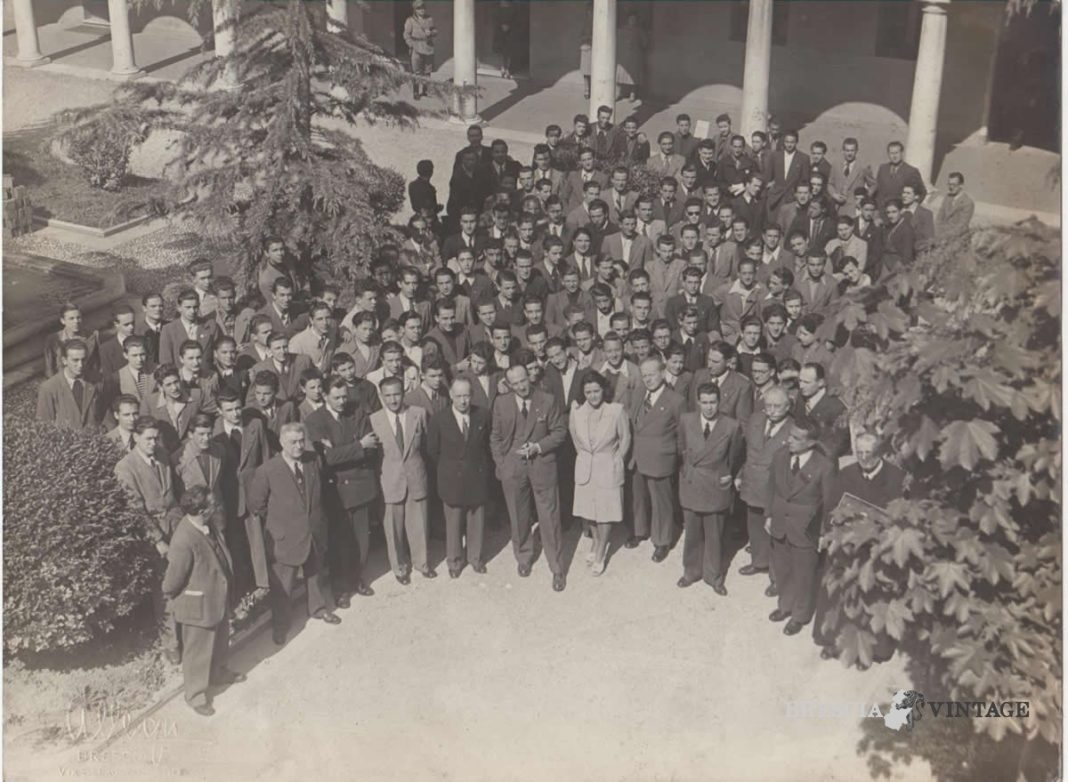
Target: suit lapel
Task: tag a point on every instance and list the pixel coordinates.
(409, 432)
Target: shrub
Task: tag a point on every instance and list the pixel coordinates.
(101, 150)
(386, 192)
(76, 559)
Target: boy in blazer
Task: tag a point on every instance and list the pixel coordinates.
(174, 407)
(401, 431)
(286, 496)
(527, 431)
(188, 325)
(802, 492)
(199, 462)
(67, 399)
(458, 448)
(654, 417)
(710, 446)
(341, 432)
(199, 584)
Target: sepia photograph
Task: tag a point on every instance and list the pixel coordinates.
(532, 390)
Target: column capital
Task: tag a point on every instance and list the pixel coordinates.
(934, 6)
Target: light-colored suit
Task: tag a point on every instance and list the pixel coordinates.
(954, 215)
(653, 462)
(599, 461)
(663, 166)
(664, 281)
(628, 199)
(860, 175)
(639, 253)
(403, 479)
(56, 404)
(755, 489)
(307, 343)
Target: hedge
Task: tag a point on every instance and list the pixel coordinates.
(76, 559)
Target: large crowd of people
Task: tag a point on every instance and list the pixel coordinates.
(552, 347)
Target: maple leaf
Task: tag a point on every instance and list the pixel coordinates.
(966, 442)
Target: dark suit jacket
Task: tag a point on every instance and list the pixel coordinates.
(454, 348)
(288, 382)
(759, 450)
(145, 489)
(239, 467)
(705, 462)
(899, 245)
(349, 468)
(783, 182)
(543, 425)
(800, 503)
(695, 351)
(829, 413)
(887, 485)
(198, 581)
(453, 244)
(890, 183)
(803, 224)
(706, 307)
(293, 520)
(655, 450)
(754, 212)
(191, 473)
(553, 382)
(111, 357)
(463, 468)
(469, 191)
(479, 398)
(284, 413)
(56, 404)
(641, 250)
(173, 334)
(172, 433)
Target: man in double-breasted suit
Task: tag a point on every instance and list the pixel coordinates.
(765, 435)
(894, 174)
(146, 475)
(527, 430)
(199, 585)
(286, 495)
(654, 419)
(802, 492)
(67, 399)
(458, 449)
(341, 431)
(710, 447)
(242, 435)
(401, 432)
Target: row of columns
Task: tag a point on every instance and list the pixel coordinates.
(756, 77)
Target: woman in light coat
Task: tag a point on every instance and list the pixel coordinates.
(601, 433)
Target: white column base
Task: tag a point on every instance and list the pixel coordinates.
(28, 63)
(126, 75)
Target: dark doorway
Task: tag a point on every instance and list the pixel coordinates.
(401, 12)
(1025, 94)
(503, 33)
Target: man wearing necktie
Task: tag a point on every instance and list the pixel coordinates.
(654, 459)
(66, 399)
(802, 492)
(874, 480)
(710, 447)
(401, 430)
(527, 431)
(286, 496)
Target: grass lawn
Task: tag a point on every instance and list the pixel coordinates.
(60, 190)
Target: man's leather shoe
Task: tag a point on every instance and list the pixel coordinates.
(173, 656)
(204, 710)
(719, 589)
(559, 582)
(633, 542)
(778, 616)
(279, 637)
(231, 677)
(771, 591)
(329, 617)
(684, 582)
(524, 570)
(750, 570)
(793, 628)
(429, 573)
(343, 601)
(453, 573)
(827, 653)
(405, 579)
(660, 553)
(364, 590)
(478, 567)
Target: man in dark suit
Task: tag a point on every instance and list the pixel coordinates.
(264, 405)
(815, 224)
(654, 418)
(449, 335)
(750, 204)
(187, 326)
(893, 175)
(422, 195)
(710, 447)
(458, 448)
(789, 166)
(826, 410)
(111, 354)
(242, 435)
(67, 399)
(279, 308)
(199, 583)
(527, 431)
(802, 492)
(341, 432)
(735, 167)
(151, 325)
(735, 390)
(469, 186)
(765, 435)
(707, 309)
(634, 147)
(174, 406)
(286, 495)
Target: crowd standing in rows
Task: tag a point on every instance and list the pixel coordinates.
(556, 346)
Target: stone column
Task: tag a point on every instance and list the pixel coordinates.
(464, 61)
(927, 88)
(29, 55)
(756, 77)
(123, 65)
(603, 57)
(338, 13)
